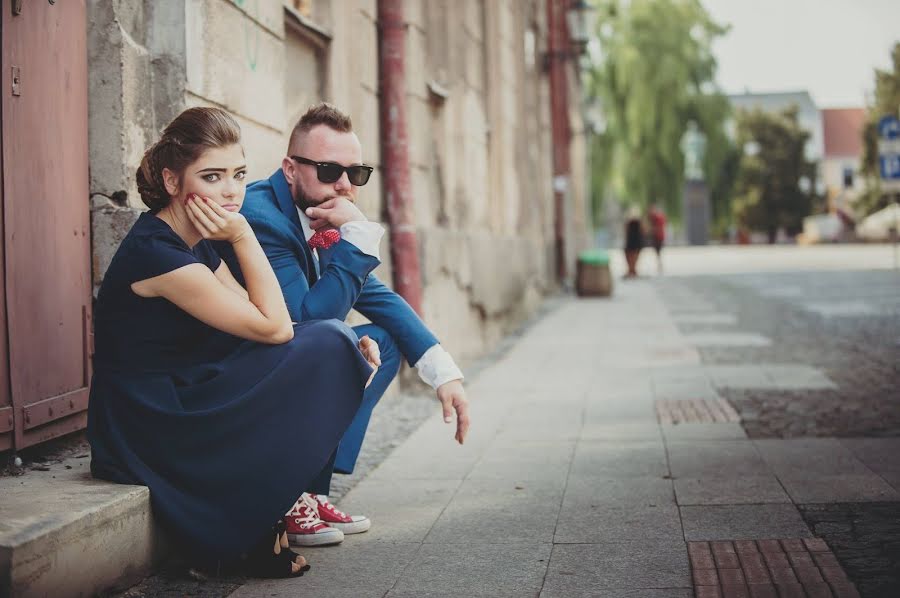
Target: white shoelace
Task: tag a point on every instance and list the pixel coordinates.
(306, 510)
(330, 507)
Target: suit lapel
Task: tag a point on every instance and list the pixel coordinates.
(286, 204)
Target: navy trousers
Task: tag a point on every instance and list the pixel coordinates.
(344, 458)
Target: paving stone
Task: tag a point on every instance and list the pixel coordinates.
(598, 523)
(728, 339)
(717, 431)
(878, 454)
(787, 377)
(525, 461)
(714, 318)
(627, 430)
(807, 457)
(730, 490)
(710, 459)
(834, 309)
(401, 512)
(587, 490)
(591, 569)
(832, 489)
(738, 376)
(620, 459)
(480, 570)
(499, 508)
(697, 387)
(380, 565)
(606, 410)
(741, 522)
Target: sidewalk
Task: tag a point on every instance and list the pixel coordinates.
(570, 486)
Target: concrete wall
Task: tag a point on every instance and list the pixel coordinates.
(478, 116)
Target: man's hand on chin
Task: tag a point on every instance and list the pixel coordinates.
(335, 213)
(452, 396)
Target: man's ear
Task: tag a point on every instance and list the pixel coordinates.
(287, 167)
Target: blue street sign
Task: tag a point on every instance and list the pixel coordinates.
(889, 127)
(889, 152)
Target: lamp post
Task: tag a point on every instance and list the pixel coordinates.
(567, 38)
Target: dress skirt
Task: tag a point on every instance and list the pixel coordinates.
(228, 445)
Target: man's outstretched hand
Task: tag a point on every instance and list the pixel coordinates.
(452, 396)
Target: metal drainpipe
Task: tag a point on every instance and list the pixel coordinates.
(395, 152)
(557, 42)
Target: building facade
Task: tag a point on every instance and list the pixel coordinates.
(478, 106)
(843, 135)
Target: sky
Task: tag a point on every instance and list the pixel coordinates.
(827, 47)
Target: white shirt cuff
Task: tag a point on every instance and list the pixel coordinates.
(436, 367)
(365, 235)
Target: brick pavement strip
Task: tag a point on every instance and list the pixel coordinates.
(801, 567)
(695, 411)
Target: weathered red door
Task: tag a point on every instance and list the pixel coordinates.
(46, 223)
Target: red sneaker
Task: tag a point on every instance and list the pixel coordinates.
(304, 528)
(348, 524)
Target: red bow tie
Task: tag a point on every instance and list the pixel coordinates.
(324, 239)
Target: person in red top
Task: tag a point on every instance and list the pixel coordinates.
(657, 232)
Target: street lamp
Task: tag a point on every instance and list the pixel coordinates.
(580, 21)
(580, 18)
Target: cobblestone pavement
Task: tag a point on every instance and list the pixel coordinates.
(848, 325)
(866, 539)
(845, 323)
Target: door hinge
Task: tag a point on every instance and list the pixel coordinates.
(16, 81)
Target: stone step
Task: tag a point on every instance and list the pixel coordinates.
(63, 533)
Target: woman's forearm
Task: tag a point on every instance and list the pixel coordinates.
(262, 285)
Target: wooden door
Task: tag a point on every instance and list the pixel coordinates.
(46, 219)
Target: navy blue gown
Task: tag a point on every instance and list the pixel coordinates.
(225, 432)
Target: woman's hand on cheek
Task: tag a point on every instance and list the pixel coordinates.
(213, 221)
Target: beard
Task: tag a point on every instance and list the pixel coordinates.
(303, 200)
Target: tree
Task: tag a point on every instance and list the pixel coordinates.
(886, 101)
(655, 73)
(769, 189)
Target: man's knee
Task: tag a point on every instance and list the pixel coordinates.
(387, 347)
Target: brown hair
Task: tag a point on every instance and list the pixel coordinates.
(191, 133)
(321, 114)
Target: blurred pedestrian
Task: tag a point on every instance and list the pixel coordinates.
(634, 239)
(657, 233)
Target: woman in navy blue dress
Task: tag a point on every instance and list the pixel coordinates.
(203, 390)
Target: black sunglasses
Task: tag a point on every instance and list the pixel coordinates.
(329, 172)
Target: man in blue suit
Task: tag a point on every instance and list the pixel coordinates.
(323, 250)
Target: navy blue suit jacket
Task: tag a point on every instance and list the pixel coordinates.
(346, 281)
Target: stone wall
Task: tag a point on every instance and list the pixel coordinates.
(478, 119)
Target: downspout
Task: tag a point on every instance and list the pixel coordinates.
(395, 152)
(557, 52)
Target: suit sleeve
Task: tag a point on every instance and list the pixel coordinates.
(334, 293)
(340, 284)
(390, 311)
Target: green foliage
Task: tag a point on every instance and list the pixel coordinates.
(768, 190)
(886, 101)
(655, 74)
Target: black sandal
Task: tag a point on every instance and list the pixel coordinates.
(270, 559)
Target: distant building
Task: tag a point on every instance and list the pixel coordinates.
(843, 128)
(809, 115)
